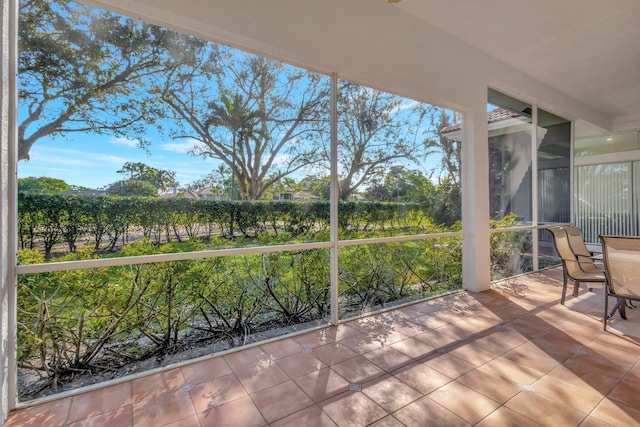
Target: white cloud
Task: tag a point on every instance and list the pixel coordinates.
(406, 105)
(64, 156)
(184, 147)
(281, 160)
(133, 143)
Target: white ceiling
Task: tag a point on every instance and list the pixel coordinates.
(588, 50)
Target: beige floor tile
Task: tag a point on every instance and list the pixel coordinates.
(118, 417)
(512, 371)
(386, 335)
(582, 376)
(421, 377)
(351, 409)
(282, 348)
(594, 422)
(413, 348)
(473, 354)
(529, 326)
(406, 327)
(358, 370)
(216, 392)
(628, 393)
(390, 393)
(463, 401)
(239, 412)
(343, 331)
(451, 366)
(531, 356)
(46, 414)
(260, 377)
(316, 338)
(557, 345)
(388, 421)
(192, 421)
(505, 417)
(322, 384)
(490, 385)
(96, 402)
(363, 343)
(498, 341)
(579, 398)
(247, 358)
(333, 353)
(633, 376)
(205, 370)
(152, 386)
(170, 407)
(388, 358)
(616, 413)
(416, 414)
(477, 325)
(444, 336)
(281, 401)
(312, 416)
(430, 321)
(615, 349)
(546, 411)
(300, 364)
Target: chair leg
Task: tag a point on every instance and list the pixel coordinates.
(606, 308)
(622, 308)
(615, 308)
(564, 289)
(576, 288)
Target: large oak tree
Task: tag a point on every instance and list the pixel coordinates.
(83, 69)
(264, 119)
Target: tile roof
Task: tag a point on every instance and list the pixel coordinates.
(493, 116)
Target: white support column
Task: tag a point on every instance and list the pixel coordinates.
(335, 188)
(7, 210)
(535, 144)
(476, 272)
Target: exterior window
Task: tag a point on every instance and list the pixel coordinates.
(605, 202)
(516, 135)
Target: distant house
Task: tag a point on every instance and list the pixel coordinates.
(211, 194)
(206, 193)
(84, 192)
(293, 195)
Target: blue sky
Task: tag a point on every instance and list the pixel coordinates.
(93, 160)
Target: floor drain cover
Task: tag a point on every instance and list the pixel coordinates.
(527, 387)
(307, 350)
(355, 387)
(187, 387)
(579, 350)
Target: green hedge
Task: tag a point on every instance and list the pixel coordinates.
(107, 222)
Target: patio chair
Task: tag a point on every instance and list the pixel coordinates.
(584, 255)
(622, 268)
(576, 268)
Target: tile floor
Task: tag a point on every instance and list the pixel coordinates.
(511, 356)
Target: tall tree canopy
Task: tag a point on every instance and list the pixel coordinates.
(42, 185)
(375, 130)
(86, 70)
(262, 118)
(160, 179)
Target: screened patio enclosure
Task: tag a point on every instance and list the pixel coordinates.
(418, 51)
